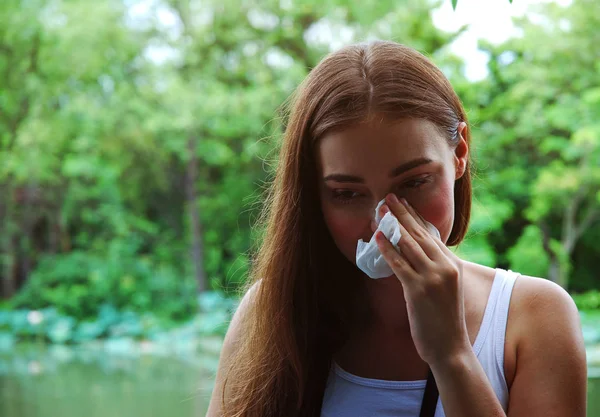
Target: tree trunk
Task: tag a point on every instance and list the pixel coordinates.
(26, 240)
(9, 273)
(194, 213)
(182, 7)
(563, 275)
(554, 270)
(558, 270)
(7, 248)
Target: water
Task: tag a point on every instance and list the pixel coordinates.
(65, 382)
(593, 409)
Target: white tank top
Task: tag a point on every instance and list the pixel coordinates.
(350, 395)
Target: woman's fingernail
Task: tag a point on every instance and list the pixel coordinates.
(394, 199)
(404, 202)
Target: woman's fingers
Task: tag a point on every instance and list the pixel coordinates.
(398, 262)
(441, 245)
(411, 252)
(409, 249)
(411, 224)
(445, 249)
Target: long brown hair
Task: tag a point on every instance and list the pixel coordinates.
(309, 295)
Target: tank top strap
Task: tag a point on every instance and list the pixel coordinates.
(490, 311)
(501, 316)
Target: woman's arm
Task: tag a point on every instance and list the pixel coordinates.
(234, 333)
(551, 370)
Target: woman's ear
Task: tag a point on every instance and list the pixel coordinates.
(461, 151)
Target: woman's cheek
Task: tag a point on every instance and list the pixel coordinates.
(438, 209)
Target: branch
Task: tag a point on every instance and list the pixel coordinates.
(183, 12)
(24, 105)
(296, 47)
(592, 215)
(569, 229)
(545, 237)
(6, 50)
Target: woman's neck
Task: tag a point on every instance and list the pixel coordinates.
(388, 306)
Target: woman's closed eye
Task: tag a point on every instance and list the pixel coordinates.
(348, 196)
(416, 183)
(345, 195)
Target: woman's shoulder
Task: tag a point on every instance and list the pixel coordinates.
(550, 351)
(539, 300)
(530, 296)
(241, 313)
(538, 307)
(231, 344)
(543, 312)
(248, 298)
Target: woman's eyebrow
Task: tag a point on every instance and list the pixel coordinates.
(407, 166)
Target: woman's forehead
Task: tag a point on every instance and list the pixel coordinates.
(366, 147)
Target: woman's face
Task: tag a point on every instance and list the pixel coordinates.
(361, 165)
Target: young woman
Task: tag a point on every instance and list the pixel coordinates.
(315, 336)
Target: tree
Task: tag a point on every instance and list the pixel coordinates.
(455, 2)
(245, 59)
(539, 117)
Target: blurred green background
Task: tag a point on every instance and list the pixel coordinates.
(136, 140)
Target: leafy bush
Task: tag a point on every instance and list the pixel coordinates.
(589, 300)
(78, 284)
(50, 325)
(216, 310)
(53, 325)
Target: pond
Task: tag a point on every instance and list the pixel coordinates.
(68, 382)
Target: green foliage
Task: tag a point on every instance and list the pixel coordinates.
(50, 325)
(116, 324)
(455, 2)
(106, 109)
(538, 143)
(588, 301)
(79, 283)
(527, 255)
(475, 248)
(216, 311)
(104, 129)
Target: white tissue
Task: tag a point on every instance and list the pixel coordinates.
(368, 257)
